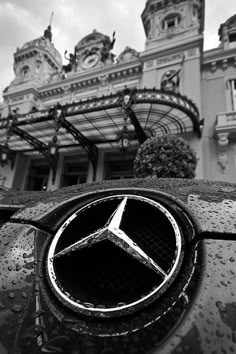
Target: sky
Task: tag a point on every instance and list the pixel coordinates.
(25, 20)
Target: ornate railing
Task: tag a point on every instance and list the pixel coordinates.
(153, 96)
(226, 121)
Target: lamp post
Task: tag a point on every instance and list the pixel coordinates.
(53, 154)
(124, 139)
(53, 146)
(4, 155)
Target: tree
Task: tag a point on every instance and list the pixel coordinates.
(165, 156)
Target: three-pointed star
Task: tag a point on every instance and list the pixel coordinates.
(112, 232)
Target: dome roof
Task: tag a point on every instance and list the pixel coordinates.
(91, 39)
(42, 43)
(230, 24)
(231, 21)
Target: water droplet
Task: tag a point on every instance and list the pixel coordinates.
(223, 283)
(221, 306)
(219, 333)
(16, 308)
(218, 256)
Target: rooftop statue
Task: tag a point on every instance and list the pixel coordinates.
(108, 45)
(170, 81)
(48, 33)
(72, 62)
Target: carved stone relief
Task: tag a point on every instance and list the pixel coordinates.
(104, 80)
(127, 55)
(170, 81)
(170, 58)
(223, 142)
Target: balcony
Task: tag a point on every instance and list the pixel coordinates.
(225, 128)
(226, 123)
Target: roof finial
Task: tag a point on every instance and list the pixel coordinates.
(50, 23)
(48, 30)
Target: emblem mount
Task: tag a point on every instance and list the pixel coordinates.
(115, 255)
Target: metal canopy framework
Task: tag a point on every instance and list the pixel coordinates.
(37, 144)
(97, 122)
(86, 144)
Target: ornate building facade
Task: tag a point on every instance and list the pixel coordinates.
(83, 121)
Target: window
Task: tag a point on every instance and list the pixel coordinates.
(25, 72)
(232, 40)
(232, 37)
(171, 21)
(118, 166)
(74, 170)
(233, 93)
(38, 175)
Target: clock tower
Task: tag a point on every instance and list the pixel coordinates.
(168, 22)
(34, 65)
(174, 45)
(173, 52)
(94, 51)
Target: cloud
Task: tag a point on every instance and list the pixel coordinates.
(104, 16)
(25, 20)
(216, 14)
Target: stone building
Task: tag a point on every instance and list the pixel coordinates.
(83, 121)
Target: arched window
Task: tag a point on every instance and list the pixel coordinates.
(25, 72)
(232, 39)
(233, 93)
(171, 21)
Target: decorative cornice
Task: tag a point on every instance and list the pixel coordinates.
(31, 52)
(18, 90)
(173, 48)
(222, 64)
(219, 55)
(124, 70)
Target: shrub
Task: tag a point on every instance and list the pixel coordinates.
(165, 156)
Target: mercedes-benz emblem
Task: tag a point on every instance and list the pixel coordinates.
(114, 255)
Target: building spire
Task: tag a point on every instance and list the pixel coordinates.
(50, 23)
(48, 31)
